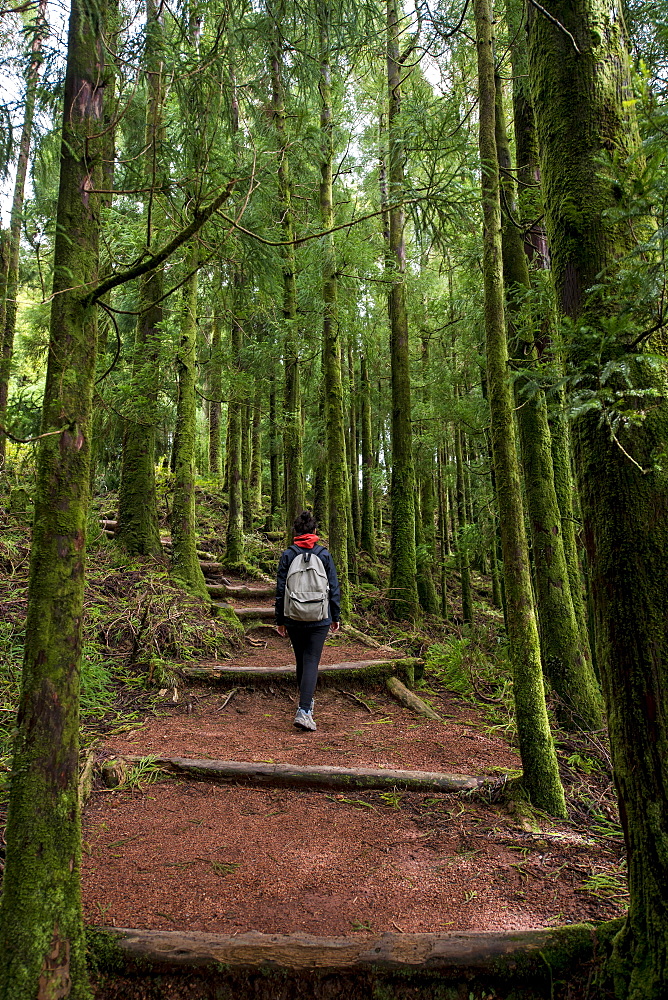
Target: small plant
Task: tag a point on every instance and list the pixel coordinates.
(224, 868)
(392, 799)
(361, 925)
(579, 762)
(142, 773)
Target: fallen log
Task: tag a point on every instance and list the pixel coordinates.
(529, 964)
(315, 775)
(410, 700)
(366, 640)
(361, 671)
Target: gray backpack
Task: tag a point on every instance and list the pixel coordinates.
(306, 587)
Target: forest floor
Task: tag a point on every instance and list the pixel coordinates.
(180, 854)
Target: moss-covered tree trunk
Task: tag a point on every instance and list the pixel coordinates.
(353, 452)
(255, 479)
(565, 488)
(215, 393)
(234, 539)
(41, 926)
(443, 536)
(584, 110)
(138, 527)
(246, 458)
(462, 542)
(564, 648)
(320, 473)
(185, 564)
(10, 264)
(541, 773)
(337, 472)
(368, 536)
(272, 520)
(403, 588)
(293, 457)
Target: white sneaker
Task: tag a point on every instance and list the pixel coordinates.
(304, 720)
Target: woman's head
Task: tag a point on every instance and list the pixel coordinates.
(305, 524)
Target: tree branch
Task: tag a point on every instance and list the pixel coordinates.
(558, 24)
(155, 260)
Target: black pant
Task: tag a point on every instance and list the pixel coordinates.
(307, 644)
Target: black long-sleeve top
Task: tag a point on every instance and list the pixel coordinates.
(334, 589)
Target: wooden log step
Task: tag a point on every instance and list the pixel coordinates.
(366, 671)
(428, 965)
(315, 775)
(227, 590)
(210, 567)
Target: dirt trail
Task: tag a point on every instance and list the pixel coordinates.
(184, 854)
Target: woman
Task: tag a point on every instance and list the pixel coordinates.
(307, 607)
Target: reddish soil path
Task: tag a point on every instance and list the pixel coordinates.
(183, 854)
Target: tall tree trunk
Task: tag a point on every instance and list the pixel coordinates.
(425, 528)
(320, 472)
(246, 452)
(539, 762)
(353, 454)
(337, 472)
(138, 526)
(185, 564)
(10, 280)
(584, 107)
(215, 392)
(368, 536)
(403, 588)
(274, 460)
(462, 544)
(293, 458)
(234, 543)
(565, 650)
(41, 925)
(444, 540)
(255, 482)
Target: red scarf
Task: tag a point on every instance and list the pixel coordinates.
(305, 541)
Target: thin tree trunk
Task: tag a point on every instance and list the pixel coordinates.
(541, 773)
(138, 526)
(403, 588)
(246, 450)
(320, 473)
(8, 308)
(462, 545)
(584, 107)
(256, 453)
(274, 460)
(353, 455)
(293, 459)
(368, 536)
(337, 472)
(444, 541)
(215, 392)
(185, 564)
(41, 926)
(234, 542)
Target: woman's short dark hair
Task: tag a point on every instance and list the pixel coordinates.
(305, 523)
